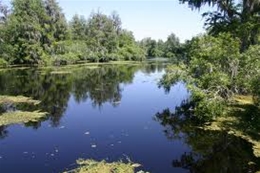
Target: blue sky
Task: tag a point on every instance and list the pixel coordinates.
(145, 18)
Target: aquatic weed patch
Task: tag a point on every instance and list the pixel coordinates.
(17, 99)
(18, 117)
(92, 166)
(242, 120)
(11, 114)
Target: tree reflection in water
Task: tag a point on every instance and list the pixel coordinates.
(97, 85)
(211, 151)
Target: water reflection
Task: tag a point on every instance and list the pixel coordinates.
(99, 85)
(3, 132)
(110, 107)
(211, 151)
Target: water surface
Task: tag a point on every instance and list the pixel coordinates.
(110, 113)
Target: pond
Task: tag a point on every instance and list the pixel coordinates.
(111, 112)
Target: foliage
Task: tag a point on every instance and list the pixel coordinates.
(78, 27)
(241, 18)
(36, 32)
(25, 30)
(250, 70)
(3, 63)
(256, 89)
(216, 70)
(171, 48)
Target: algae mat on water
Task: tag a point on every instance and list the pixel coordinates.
(242, 120)
(17, 99)
(91, 166)
(18, 117)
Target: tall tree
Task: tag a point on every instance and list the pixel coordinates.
(117, 23)
(172, 45)
(101, 33)
(3, 16)
(241, 18)
(25, 30)
(151, 46)
(56, 21)
(78, 27)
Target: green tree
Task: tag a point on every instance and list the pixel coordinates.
(150, 46)
(57, 25)
(128, 48)
(78, 27)
(161, 48)
(211, 74)
(117, 23)
(25, 30)
(4, 12)
(172, 45)
(101, 35)
(241, 18)
(36, 32)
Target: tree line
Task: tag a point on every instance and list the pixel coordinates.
(171, 48)
(36, 32)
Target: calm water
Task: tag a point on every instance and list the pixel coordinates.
(113, 112)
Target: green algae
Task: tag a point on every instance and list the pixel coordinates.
(18, 117)
(92, 166)
(17, 99)
(241, 120)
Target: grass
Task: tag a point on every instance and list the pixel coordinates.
(17, 99)
(92, 166)
(18, 117)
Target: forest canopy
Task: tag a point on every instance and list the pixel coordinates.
(36, 32)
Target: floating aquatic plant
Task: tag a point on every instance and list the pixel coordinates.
(92, 166)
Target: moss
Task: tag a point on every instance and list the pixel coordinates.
(17, 99)
(91, 166)
(18, 117)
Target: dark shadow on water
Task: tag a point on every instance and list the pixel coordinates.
(3, 132)
(211, 151)
(249, 120)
